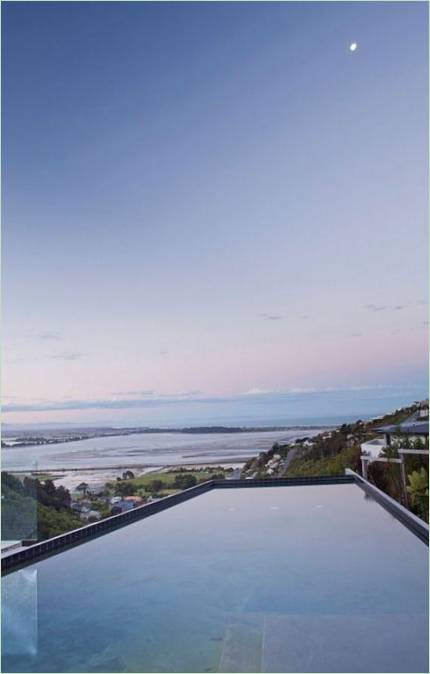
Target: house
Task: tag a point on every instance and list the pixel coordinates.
(234, 475)
(90, 515)
(96, 488)
(399, 438)
(136, 500)
(115, 499)
(81, 507)
(121, 506)
(85, 511)
(413, 428)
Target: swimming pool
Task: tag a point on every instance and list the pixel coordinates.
(313, 578)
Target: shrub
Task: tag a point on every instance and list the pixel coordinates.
(184, 481)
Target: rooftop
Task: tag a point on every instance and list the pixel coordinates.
(311, 578)
(411, 428)
(408, 427)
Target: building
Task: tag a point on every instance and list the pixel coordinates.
(81, 507)
(397, 437)
(115, 499)
(90, 516)
(414, 428)
(122, 506)
(234, 475)
(96, 488)
(85, 510)
(136, 500)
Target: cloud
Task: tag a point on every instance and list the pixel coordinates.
(383, 307)
(68, 356)
(194, 397)
(256, 391)
(49, 335)
(272, 317)
(45, 335)
(111, 403)
(147, 392)
(374, 307)
(300, 390)
(295, 391)
(150, 393)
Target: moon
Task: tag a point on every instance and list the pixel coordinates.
(353, 46)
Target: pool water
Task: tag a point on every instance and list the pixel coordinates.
(277, 579)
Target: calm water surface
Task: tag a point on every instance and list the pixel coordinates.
(278, 579)
(146, 448)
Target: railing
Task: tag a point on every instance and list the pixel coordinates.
(373, 447)
(411, 521)
(369, 457)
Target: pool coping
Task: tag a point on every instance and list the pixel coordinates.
(405, 516)
(29, 555)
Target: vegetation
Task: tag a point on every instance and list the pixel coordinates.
(184, 481)
(328, 465)
(175, 479)
(124, 488)
(418, 490)
(330, 452)
(34, 510)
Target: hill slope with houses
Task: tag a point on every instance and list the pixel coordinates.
(330, 452)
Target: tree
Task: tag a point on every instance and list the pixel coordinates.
(128, 475)
(33, 510)
(52, 522)
(185, 481)
(124, 489)
(155, 485)
(83, 487)
(11, 483)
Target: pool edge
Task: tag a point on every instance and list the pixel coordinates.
(52, 546)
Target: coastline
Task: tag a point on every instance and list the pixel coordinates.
(146, 451)
(29, 438)
(71, 477)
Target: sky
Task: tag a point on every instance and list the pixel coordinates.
(213, 210)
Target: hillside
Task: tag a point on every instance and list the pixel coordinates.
(330, 452)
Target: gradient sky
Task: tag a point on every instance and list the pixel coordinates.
(212, 202)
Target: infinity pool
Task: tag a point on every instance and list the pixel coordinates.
(278, 579)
